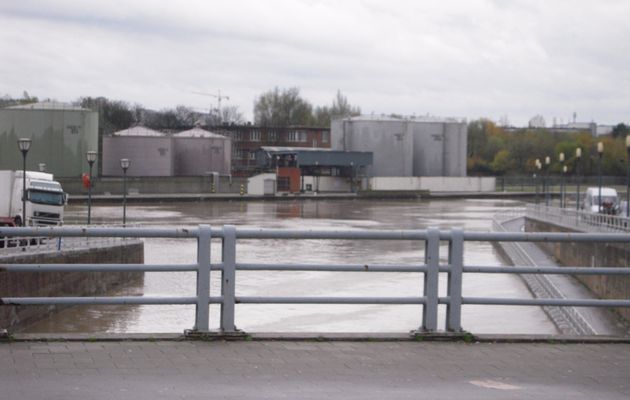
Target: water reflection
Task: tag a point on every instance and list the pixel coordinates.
(321, 214)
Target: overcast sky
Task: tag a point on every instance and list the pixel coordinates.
(476, 58)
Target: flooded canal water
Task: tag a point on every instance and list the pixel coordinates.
(475, 214)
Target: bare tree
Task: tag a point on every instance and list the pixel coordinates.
(340, 108)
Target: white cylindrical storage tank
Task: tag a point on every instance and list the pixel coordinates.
(200, 152)
(61, 135)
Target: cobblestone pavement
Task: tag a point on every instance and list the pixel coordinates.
(313, 370)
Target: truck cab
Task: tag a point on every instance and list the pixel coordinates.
(609, 202)
(44, 198)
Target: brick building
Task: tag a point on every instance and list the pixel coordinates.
(248, 139)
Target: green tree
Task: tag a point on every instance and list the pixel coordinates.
(282, 108)
(620, 130)
(502, 162)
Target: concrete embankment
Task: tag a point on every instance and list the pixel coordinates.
(590, 255)
(55, 284)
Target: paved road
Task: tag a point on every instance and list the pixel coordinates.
(313, 370)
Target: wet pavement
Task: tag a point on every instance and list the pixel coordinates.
(313, 370)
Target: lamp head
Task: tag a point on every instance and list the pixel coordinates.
(578, 152)
(600, 147)
(561, 157)
(124, 163)
(91, 156)
(24, 144)
(547, 160)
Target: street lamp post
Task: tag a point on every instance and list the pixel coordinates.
(547, 189)
(24, 144)
(562, 171)
(124, 164)
(600, 152)
(564, 189)
(628, 177)
(578, 158)
(538, 167)
(91, 158)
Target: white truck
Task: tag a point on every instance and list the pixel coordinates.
(45, 199)
(609, 204)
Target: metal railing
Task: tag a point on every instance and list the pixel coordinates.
(580, 220)
(431, 268)
(11, 246)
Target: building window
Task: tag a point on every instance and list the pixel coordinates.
(236, 136)
(325, 137)
(238, 154)
(272, 136)
(252, 155)
(295, 136)
(254, 136)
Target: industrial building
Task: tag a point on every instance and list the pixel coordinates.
(61, 135)
(194, 152)
(299, 169)
(199, 152)
(247, 139)
(424, 146)
(150, 152)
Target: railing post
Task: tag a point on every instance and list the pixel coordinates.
(431, 277)
(456, 267)
(228, 283)
(203, 279)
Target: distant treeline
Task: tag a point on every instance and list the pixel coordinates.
(494, 151)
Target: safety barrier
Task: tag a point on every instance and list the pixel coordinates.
(581, 220)
(431, 268)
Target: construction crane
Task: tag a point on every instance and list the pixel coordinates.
(217, 96)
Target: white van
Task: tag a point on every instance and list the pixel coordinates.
(609, 203)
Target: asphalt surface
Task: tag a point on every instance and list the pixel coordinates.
(313, 370)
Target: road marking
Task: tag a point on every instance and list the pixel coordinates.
(490, 384)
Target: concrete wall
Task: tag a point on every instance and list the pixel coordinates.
(327, 183)
(53, 284)
(150, 156)
(590, 255)
(256, 184)
(152, 185)
(60, 139)
(435, 184)
(405, 147)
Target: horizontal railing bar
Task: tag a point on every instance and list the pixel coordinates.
(541, 237)
(96, 300)
(329, 300)
(105, 232)
(248, 233)
(96, 267)
(331, 267)
(546, 302)
(548, 270)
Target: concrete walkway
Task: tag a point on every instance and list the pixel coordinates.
(313, 370)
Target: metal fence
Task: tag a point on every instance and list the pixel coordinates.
(429, 266)
(579, 220)
(11, 246)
